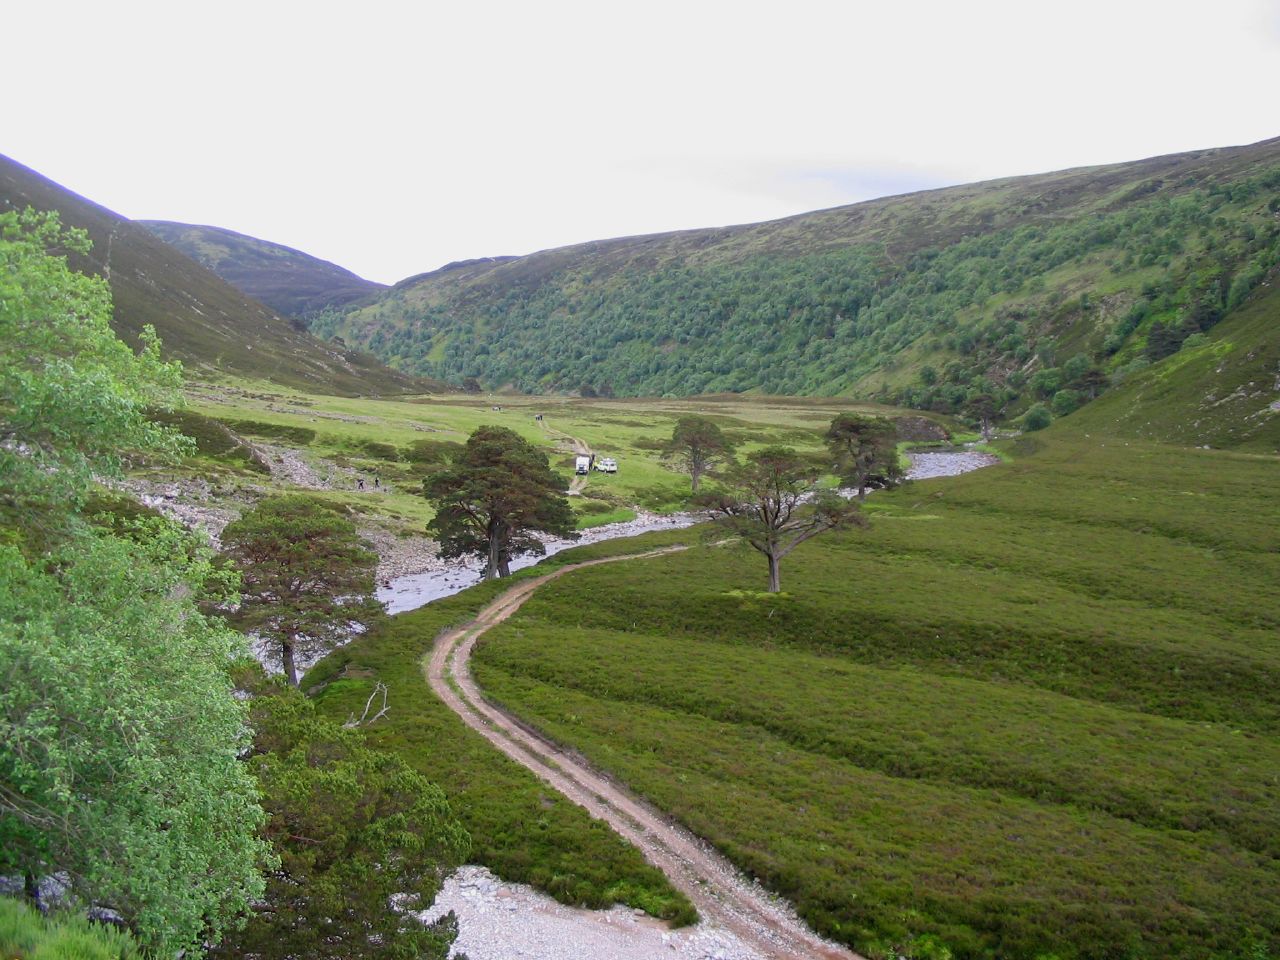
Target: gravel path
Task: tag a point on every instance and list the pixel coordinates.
(506, 921)
(744, 914)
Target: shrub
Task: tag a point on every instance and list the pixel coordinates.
(1037, 417)
(1066, 401)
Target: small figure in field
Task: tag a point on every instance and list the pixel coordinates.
(377, 481)
(359, 483)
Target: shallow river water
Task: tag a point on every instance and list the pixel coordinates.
(417, 589)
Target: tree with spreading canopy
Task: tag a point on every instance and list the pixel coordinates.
(773, 502)
(308, 577)
(697, 446)
(494, 497)
(984, 409)
(863, 447)
(119, 760)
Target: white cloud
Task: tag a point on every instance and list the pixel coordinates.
(392, 138)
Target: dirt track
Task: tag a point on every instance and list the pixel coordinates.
(721, 894)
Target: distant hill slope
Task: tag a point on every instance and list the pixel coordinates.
(202, 320)
(292, 282)
(1222, 390)
(1038, 288)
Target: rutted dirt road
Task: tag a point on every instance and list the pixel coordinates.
(580, 449)
(721, 894)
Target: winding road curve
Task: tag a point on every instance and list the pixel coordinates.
(721, 894)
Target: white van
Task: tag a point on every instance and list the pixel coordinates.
(582, 465)
(607, 465)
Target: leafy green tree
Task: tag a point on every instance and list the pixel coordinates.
(72, 395)
(1066, 401)
(355, 829)
(308, 577)
(862, 447)
(772, 501)
(496, 495)
(1075, 368)
(119, 755)
(1037, 417)
(1093, 381)
(697, 445)
(119, 764)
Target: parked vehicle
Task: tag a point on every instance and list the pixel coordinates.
(607, 465)
(582, 465)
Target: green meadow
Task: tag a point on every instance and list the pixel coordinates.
(374, 436)
(1032, 711)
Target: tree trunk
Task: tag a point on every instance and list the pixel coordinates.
(493, 567)
(32, 889)
(695, 475)
(286, 660)
(504, 566)
(862, 490)
(775, 573)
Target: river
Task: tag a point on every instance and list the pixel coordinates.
(418, 589)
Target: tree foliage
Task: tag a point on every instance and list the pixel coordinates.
(356, 830)
(496, 495)
(772, 501)
(308, 577)
(863, 447)
(698, 446)
(1037, 417)
(119, 756)
(72, 394)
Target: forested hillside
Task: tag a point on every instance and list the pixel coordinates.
(290, 281)
(1048, 288)
(213, 328)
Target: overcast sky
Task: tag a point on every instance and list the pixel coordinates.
(394, 137)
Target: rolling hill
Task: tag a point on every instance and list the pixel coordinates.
(1047, 288)
(289, 281)
(202, 320)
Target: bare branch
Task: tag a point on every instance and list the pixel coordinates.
(364, 719)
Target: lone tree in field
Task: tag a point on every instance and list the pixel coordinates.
(863, 447)
(495, 495)
(772, 501)
(697, 446)
(308, 577)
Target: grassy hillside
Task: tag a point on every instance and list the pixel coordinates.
(213, 328)
(1030, 712)
(288, 281)
(1221, 390)
(1035, 288)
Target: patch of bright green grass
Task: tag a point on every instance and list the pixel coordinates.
(25, 934)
